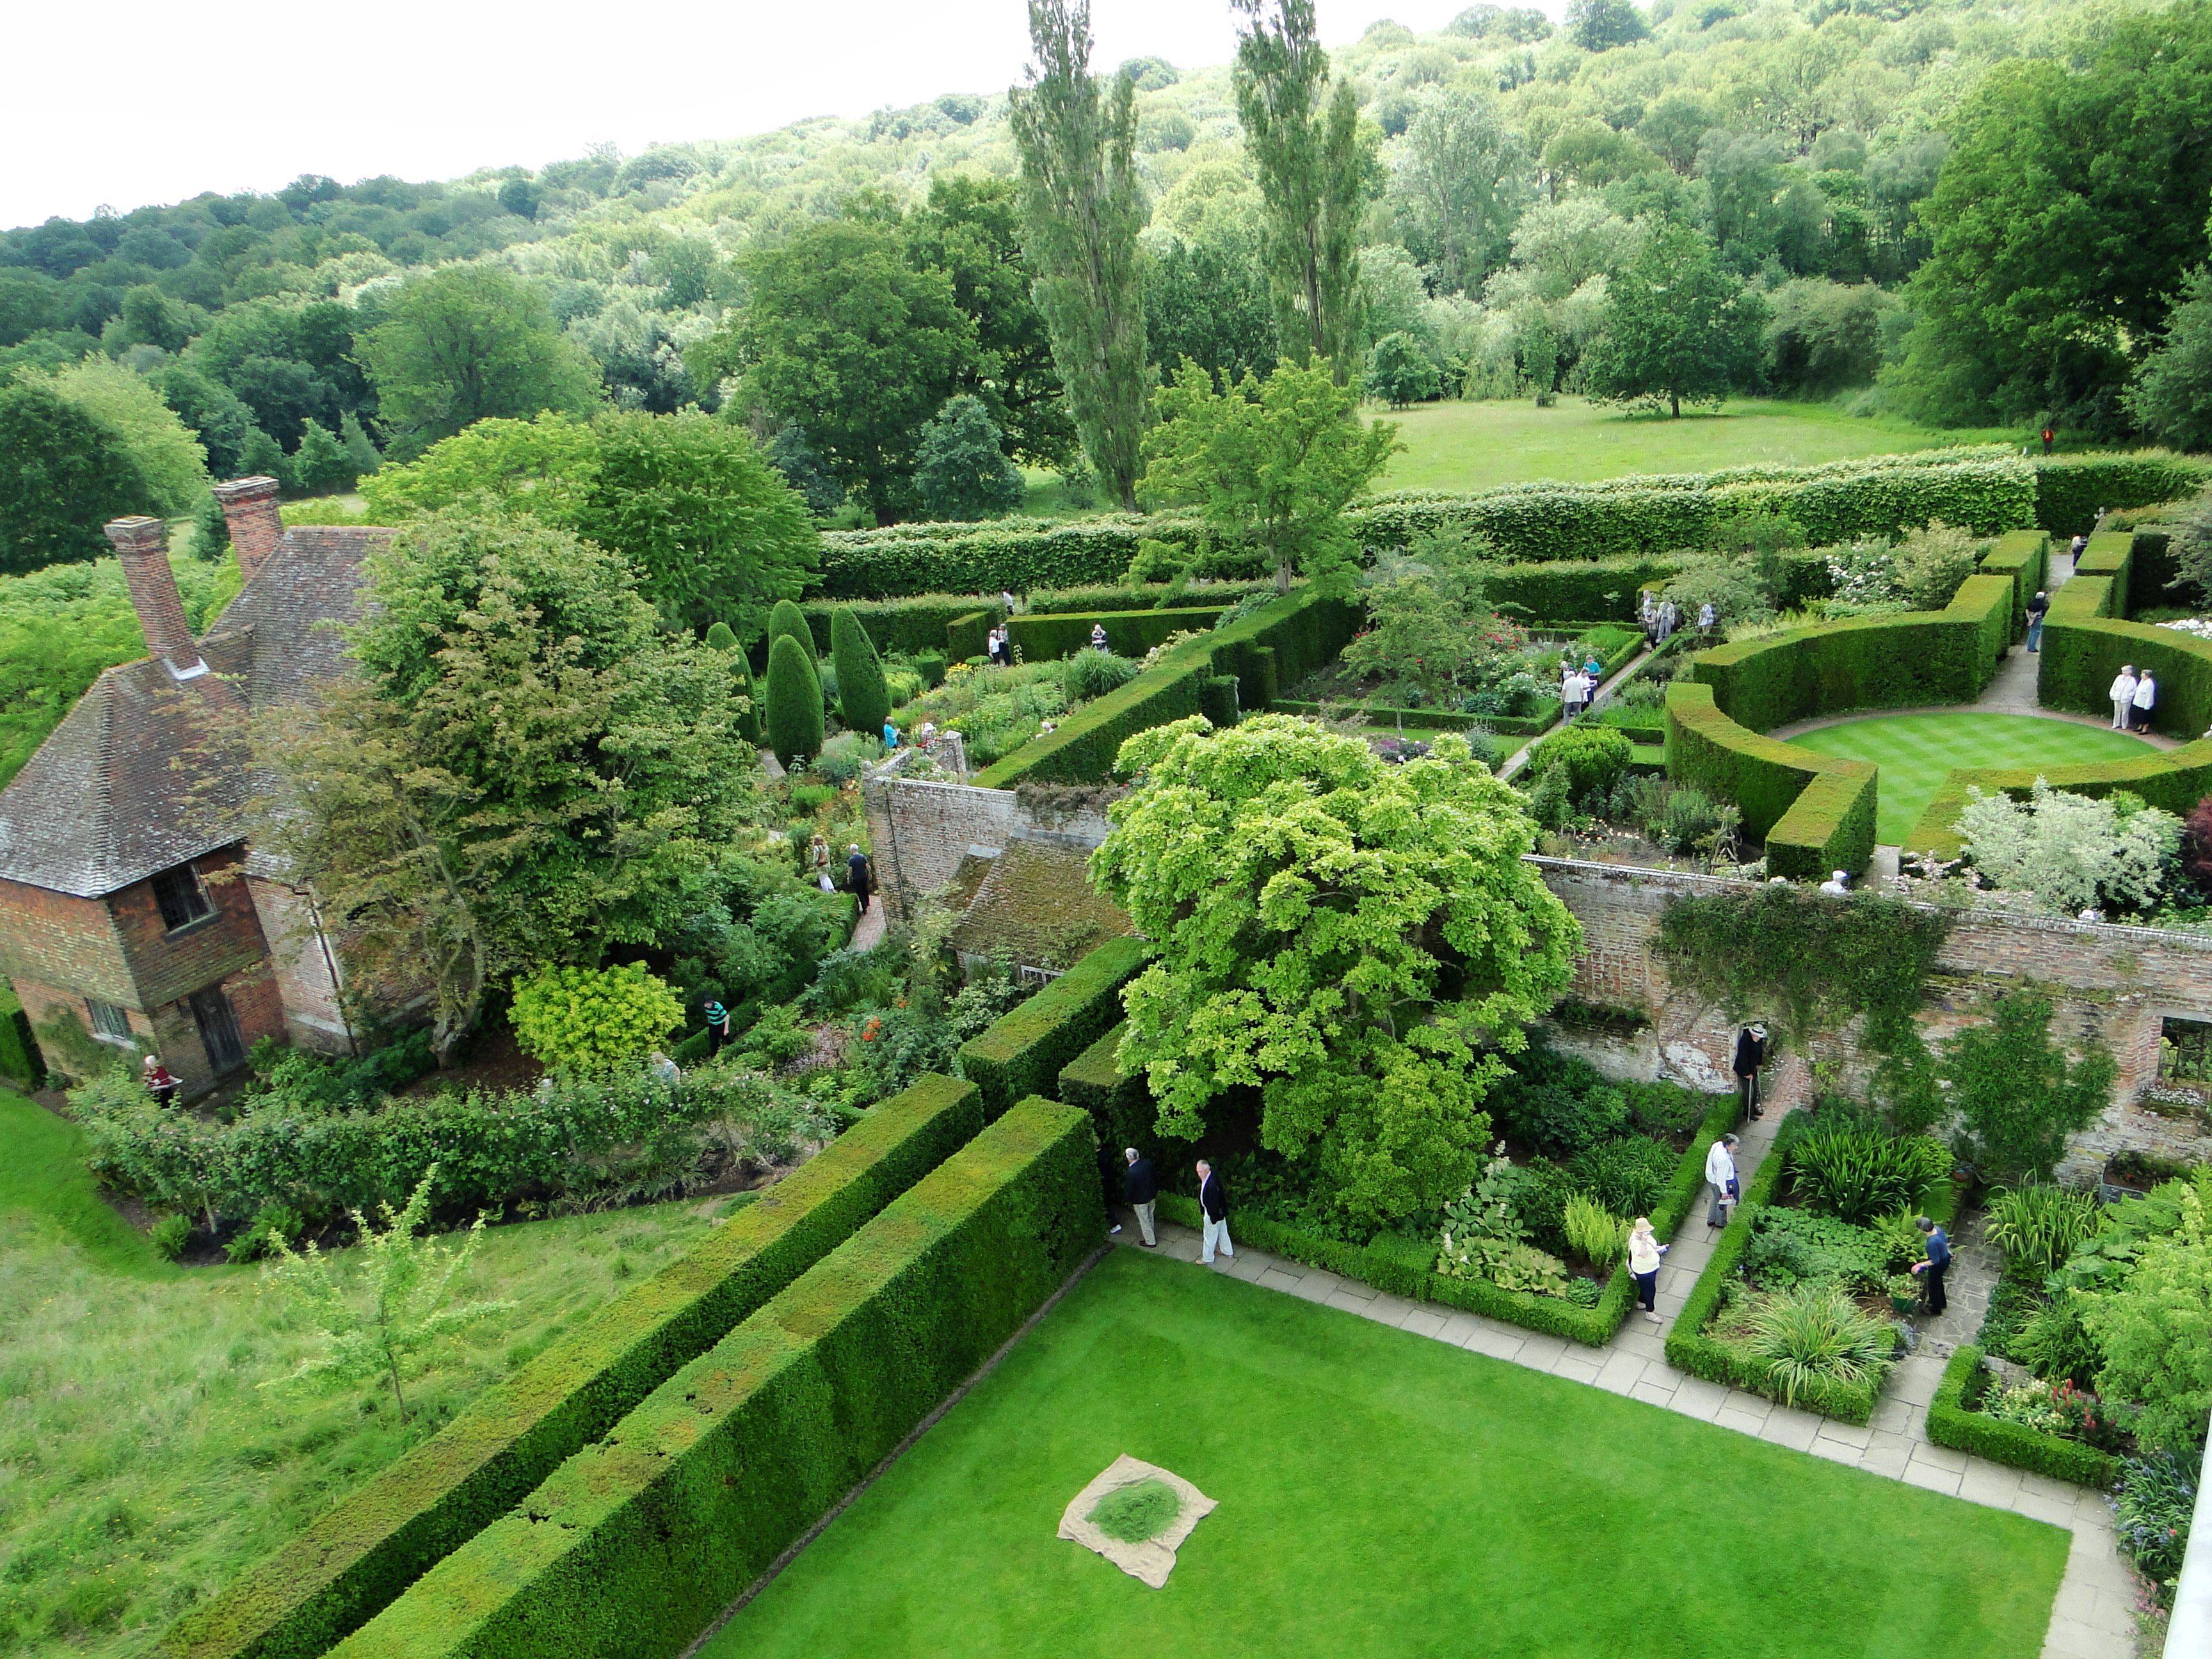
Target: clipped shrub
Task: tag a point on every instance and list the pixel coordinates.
(864, 701)
(1594, 757)
(719, 638)
(787, 620)
(794, 701)
(587, 1020)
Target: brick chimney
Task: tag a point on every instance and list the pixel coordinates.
(250, 507)
(142, 545)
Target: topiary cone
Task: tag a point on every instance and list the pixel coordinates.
(794, 701)
(749, 723)
(864, 699)
(787, 618)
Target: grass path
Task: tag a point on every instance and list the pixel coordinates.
(1473, 445)
(1381, 1495)
(1917, 752)
(143, 1464)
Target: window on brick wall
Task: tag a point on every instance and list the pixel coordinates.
(109, 1020)
(183, 900)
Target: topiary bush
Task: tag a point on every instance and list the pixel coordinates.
(864, 699)
(1594, 758)
(794, 723)
(787, 619)
(586, 1020)
(719, 638)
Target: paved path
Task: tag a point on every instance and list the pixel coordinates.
(868, 932)
(2093, 1616)
(1519, 757)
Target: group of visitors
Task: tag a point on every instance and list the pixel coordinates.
(1660, 617)
(860, 877)
(1130, 1179)
(999, 646)
(1578, 684)
(2134, 696)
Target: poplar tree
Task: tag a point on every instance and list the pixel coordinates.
(1081, 211)
(1317, 171)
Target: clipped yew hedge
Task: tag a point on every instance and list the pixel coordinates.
(369, 1548)
(1955, 1420)
(1022, 1054)
(1274, 646)
(1120, 1108)
(2070, 490)
(2023, 557)
(1128, 633)
(1816, 812)
(634, 1545)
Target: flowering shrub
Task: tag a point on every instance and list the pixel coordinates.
(589, 1020)
(2071, 852)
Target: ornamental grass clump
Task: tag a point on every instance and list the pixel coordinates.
(1594, 1233)
(1861, 1174)
(1813, 1336)
(2036, 1225)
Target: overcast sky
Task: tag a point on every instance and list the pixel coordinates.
(155, 101)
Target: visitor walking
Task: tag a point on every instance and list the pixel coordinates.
(859, 876)
(1707, 616)
(1213, 1205)
(2146, 697)
(1932, 1270)
(818, 857)
(1720, 1176)
(2038, 609)
(1670, 618)
(1750, 1056)
(1570, 685)
(1109, 1184)
(1647, 615)
(1644, 1251)
(1098, 636)
(1838, 885)
(2077, 547)
(2121, 691)
(718, 1027)
(1007, 599)
(891, 734)
(159, 1083)
(1140, 1190)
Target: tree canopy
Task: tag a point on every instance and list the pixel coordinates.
(64, 473)
(1359, 942)
(1677, 329)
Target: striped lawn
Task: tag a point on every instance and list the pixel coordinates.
(1915, 752)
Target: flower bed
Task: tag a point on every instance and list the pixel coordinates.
(1956, 1418)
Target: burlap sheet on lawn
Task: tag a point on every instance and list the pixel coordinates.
(1153, 1559)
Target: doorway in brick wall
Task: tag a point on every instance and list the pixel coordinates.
(219, 1032)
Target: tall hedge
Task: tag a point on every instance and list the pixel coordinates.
(1128, 633)
(1816, 812)
(1022, 1054)
(2022, 557)
(794, 701)
(2070, 490)
(367, 1548)
(634, 1545)
(787, 618)
(863, 699)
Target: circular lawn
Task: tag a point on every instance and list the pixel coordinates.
(1915, 752)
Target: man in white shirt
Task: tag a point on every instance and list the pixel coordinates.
(1720, 1176)
(2123, 694)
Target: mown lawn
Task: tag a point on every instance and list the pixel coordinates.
(142, 1464)
(1380, 1494)
(1473, 445)
(1916, 752)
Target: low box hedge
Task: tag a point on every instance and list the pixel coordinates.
(634, 1545)
(1388, 1265)
(1809, 831)
(369, 1547)
(1954, 1420)
(1277, 644)
(1689, 1349)
(1128, 633)
(1022, 1052)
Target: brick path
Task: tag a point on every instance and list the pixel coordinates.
(2093, 1616)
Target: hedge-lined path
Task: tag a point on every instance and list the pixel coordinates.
(2093, 1616)
(868, 932)
(1519, 758)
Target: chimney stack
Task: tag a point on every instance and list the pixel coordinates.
(142, 545)
(249, 506)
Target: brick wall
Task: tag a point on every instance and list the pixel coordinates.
(302, 966)
(167, 965)
(2114, 984)
(49, 939)
(920, 831)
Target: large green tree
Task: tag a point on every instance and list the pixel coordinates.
(166, 452)
(844, 339)
(64, 473)
(1317, 169)
(1678, 328)
(1360, 942)
(2171, 398)
(2063, 223)
(1208, 300)
(526, 768)
(1458, 182)
(1082, 209)
(1270, 466)
(971, 229)
(466, 345)
(712, 530)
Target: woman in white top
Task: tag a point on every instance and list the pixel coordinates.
(2146, 696)
(2123, 694)
(1644, 1251)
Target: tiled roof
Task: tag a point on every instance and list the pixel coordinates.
(148, 770)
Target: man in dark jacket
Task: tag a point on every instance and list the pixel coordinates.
(1750, 1056)
(1109, 1184)
(1213, 1205)
(857, 873)
(2038, 609)
(1931, 1271)
(1139, 1190)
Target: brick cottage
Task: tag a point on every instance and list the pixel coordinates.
(133, 911)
